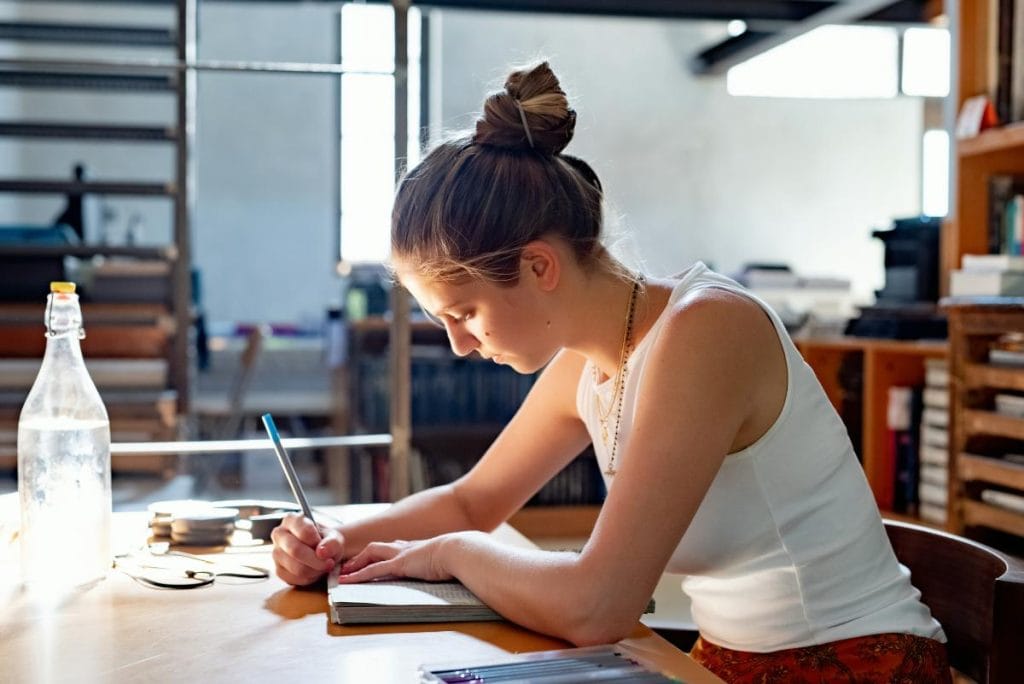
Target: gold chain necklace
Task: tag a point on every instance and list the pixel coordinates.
(620, 380)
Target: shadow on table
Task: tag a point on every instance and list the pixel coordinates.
(294, 603)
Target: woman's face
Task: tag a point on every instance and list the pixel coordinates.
(503, 324)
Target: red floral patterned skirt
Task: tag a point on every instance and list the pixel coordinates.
(896, 658)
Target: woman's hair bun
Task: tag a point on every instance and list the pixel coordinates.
(531, 113)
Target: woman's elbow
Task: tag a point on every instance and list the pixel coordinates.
(594, 629)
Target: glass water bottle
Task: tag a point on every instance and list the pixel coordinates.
(64, 460)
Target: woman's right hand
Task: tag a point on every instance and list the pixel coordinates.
(305, 552)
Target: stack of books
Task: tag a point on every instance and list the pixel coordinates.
(933, 486)
(903, 419)
(988, 275)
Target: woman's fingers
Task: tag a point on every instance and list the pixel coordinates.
(302, 528)
(331, 546)
(295, 551)
(373, 553)
(375, 570)
(291, 570)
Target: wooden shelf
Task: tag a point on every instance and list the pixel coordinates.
(976, 322)
(1001, 377)
(994, 424)
(979, 513)
(973, 467)
(848, 343)
(94, 313)
(994, 140)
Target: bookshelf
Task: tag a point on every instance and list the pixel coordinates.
(128, 347)
(879, 365)
(137, 320)
(993, 151)
(458, 406)
(981, 435)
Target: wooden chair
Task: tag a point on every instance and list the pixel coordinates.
(975, 592)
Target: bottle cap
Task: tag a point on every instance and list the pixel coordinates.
(63, 288)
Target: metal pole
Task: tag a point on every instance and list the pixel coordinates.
(184, 206)
(400, 343)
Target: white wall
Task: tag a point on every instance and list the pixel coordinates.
(266, 224)
(694, 172)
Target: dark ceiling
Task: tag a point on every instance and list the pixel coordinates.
(769, 22)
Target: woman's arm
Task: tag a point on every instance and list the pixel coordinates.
(715, 366)
(543, 436)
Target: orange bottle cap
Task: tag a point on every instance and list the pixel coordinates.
(62, 288)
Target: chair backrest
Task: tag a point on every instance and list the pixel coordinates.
(232, 423)
(975, 592)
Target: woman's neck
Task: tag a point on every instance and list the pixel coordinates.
(599, 305)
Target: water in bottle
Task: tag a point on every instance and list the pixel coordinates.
(64, 461)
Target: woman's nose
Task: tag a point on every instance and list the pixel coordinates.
(463, 342)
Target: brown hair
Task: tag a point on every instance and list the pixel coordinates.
(474, 202)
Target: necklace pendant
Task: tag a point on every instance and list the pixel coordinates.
(610, 470)
(604, 434)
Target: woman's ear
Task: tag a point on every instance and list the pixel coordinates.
(542, 263)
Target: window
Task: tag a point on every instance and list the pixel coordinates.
(935, 173)
(829, 61)
(857, 62)
(367, 126)
(849, 61)
(926, 62)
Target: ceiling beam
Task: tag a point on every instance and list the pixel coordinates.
(719, 58)
(720, 10)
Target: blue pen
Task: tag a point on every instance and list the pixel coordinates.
(286, 465)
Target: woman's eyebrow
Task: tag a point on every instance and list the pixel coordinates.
(449, 306)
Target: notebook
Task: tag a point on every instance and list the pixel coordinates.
(403, 600)
(591, 663)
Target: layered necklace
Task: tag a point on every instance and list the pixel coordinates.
(603, 415)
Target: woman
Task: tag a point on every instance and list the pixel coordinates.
(723, 458)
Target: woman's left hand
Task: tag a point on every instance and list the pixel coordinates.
(418, 559)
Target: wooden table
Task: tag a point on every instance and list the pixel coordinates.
(120, 630)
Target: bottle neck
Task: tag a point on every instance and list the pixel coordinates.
(63, 316)
(63, 328)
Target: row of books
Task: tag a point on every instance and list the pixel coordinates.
(917, 460)
(445, 391)
(579, 483)
(1006, 59)
(1004, 213)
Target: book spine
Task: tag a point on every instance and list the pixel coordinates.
(1004, 61)
(1017, 65)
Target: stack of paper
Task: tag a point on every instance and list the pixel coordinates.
(386, 601)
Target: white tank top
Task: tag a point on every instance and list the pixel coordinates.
(787, 548)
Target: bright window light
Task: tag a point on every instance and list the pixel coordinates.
(368, 127)
(828, 62)
(736, 27)
(367, 38)
(935, 173)
(926, 62)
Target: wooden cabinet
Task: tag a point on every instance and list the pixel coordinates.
(883, 364)
(128, 351)
(981, 437)
(140, 339)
